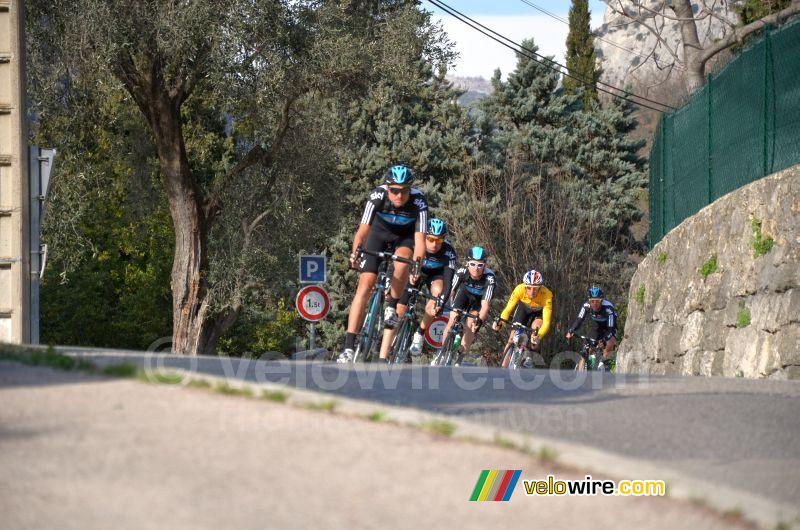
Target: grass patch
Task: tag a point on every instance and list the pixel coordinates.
(376, 416)
(198, 383)
(275, 395)
(442, 428)
(121, 370)
(160, 378)
(505, 443)
(323, 406)
(50, 358)
(761, 245)
(743, 316)
(733, 513)
(639, 297)
(709, 267)
(547, 454)
(662, 258)
(698, 501)
(228, 390)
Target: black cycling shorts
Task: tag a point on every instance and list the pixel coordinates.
(382, 240)
(423, 280)
(466, 301)
(525, 314)
(601, 333)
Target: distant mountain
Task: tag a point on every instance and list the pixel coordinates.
(476, 88)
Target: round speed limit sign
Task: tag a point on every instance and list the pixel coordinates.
(435, 332)
(312, 303)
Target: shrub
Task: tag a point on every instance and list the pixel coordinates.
(662, 258)
(640, 294)
(761, 245)
(709, 267)
(743, 316)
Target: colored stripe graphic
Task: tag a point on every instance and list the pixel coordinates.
(503, 485)
(479, 486)
(512, 484)
(487, 485)
(495, 485)
(498, 479)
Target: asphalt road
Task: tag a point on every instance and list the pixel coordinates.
(739, 433)
(84, 452)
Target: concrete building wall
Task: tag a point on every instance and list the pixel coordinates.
(14, 200)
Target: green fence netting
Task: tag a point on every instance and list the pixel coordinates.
(742, 125)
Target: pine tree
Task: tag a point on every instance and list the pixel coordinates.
(581, 59)
(417, 123)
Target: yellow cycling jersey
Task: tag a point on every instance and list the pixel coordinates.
(543, 301)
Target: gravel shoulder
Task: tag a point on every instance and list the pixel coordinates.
(79, 451)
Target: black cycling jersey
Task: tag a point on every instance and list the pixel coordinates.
(480, 289)
(443, 264)
(405, 219)
(602, 323)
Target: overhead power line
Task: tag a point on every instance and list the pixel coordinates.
(601, 39)
(540, 59)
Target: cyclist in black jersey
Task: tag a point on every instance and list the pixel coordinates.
(473, 287)
(394, 219)
(602, 322)
(438, 268)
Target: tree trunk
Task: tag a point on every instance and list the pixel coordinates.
(692, 51)
(189, 289)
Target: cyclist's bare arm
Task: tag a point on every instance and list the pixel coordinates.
(358, 241)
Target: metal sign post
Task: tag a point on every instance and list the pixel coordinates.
(313, 304)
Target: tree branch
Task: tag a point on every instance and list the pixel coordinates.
(740, 33)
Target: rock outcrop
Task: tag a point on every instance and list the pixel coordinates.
(716, 296)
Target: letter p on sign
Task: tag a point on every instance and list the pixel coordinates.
(312, 269)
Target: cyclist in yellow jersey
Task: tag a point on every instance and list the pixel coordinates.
(532, 306)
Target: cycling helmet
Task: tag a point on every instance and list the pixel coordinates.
(477, 253)
(437, 227)
(532, 277)
(595, 292)
(399, 174)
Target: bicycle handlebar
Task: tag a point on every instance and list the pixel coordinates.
(517, 325)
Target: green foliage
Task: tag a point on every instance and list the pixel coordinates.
(761, 245)
(257, 332)
(639, 297)
(49, 358)
(275, 395)
(662, 258)
(581, 58)
(547, 454)
(121, 370)
(377, 416)
(743, 316)
(709, 267)
(440, 427)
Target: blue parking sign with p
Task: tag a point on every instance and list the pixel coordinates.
(312, 269)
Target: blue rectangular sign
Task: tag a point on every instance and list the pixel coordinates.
(312, 269)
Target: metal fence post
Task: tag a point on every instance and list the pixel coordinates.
(765, 167)
(663, 174)
(709, 153)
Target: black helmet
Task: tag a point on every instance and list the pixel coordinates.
(399, 174)
(477, 253)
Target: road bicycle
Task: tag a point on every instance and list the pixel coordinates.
(449, 354)
(368, 340)
(514, 354)
(590, 352)
(398, 353)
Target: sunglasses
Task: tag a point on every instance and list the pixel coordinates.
(398, 191)
(433, 239)
(476, 265)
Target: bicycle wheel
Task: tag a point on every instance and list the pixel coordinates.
(363, 351)
(444, 352)
(399, 341)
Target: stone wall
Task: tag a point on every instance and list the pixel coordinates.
(740, 318)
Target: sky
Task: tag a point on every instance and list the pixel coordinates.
(479, 55)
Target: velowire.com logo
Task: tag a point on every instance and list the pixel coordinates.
(495, 485)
